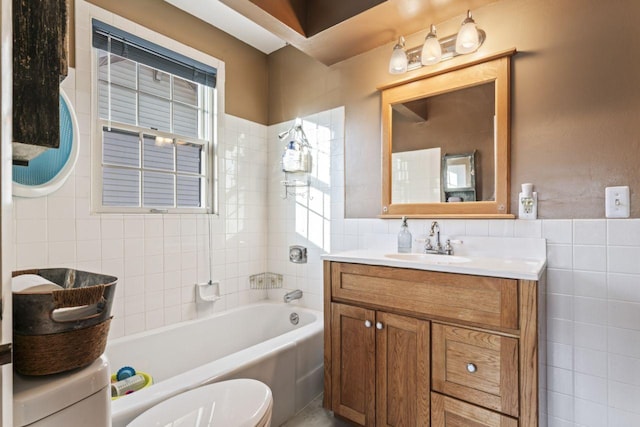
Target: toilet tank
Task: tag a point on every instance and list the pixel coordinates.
(76, 398)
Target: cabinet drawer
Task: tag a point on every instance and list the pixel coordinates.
(485, 301)
(449, 412)
(476, 366)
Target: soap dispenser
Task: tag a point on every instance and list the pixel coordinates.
(528, 202)
(404, 237)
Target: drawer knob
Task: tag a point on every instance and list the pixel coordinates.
(379, 325)
(367, 323)
(471, 367)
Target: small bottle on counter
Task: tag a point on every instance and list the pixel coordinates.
(404, 237)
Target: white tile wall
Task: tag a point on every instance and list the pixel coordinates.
(307, 216)
(157, 258)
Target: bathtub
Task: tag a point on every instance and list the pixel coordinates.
(254, 341)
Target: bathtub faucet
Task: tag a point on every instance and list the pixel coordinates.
(290, 296)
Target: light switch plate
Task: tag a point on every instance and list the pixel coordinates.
(617, 202)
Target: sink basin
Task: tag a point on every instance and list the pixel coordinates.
(429, 258)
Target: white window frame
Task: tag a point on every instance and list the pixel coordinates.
(141, 131)
(215, 101)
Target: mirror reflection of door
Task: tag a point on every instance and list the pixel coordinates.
(461, 121)
(416, 176)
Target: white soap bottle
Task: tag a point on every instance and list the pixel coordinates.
(404, 237)
(528, 202)
(291, 158)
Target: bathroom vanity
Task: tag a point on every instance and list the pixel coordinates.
(419, 340)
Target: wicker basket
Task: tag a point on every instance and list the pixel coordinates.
(48, 342)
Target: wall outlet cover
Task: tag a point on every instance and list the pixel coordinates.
(617, 202)
(528, 206)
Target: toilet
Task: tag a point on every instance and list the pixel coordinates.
(76, 398)
(233, 403)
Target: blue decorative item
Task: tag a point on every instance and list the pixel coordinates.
(125, 372)
(48, 172)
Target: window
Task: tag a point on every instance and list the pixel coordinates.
(156, 121)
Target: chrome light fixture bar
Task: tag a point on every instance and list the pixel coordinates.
(447, 47)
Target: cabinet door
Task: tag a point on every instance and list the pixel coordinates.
(353, 363)
(403, 367)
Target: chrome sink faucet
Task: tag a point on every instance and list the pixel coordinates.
(438, 249)
(435, 230)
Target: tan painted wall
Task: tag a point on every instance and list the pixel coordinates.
(575, 102)
(246, 89)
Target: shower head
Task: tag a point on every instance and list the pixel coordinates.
(296, 132)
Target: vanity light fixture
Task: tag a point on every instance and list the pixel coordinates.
(468, 39)
(431, 49)
(434, 50)
(398, 63)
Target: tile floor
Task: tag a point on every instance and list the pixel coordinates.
(314, 415)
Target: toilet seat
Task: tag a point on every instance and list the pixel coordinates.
(233, 403)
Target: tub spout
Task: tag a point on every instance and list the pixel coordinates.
(293, 295)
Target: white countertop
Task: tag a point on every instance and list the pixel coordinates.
(511, 258)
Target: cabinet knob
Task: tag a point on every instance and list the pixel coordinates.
(367, 323)
(471, 367)
(379, 325)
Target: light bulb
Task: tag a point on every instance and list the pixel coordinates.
(431, 49)
(398, 62)
(467, 40)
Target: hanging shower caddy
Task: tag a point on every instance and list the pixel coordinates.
(296, 161)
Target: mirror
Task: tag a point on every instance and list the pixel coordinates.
(459, 177)
(446, 142)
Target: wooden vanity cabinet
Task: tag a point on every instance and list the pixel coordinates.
(408, 347)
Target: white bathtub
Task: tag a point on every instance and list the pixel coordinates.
(254, 341)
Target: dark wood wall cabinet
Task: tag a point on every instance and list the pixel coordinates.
(40, 51)
(407, 347)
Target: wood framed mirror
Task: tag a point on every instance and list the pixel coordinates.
(447, 115)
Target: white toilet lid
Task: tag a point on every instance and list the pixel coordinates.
(233, 403)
